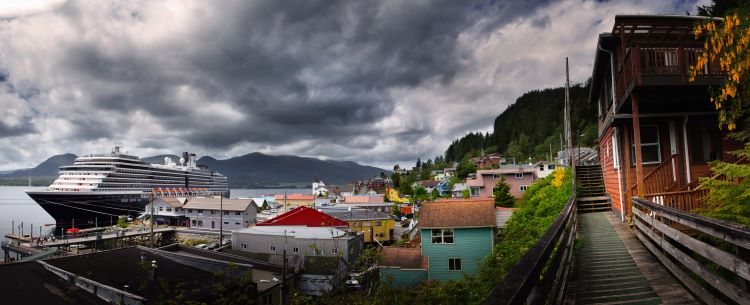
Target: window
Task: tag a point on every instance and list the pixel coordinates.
(335, 251)
(169, 209)
(378, 223)
(704, 143)
(519, 175)
(365, 223)
(226, 213)
(541, 167)
(193, 222)
(213, 212)
(318, 252)
(650, 148)
(237, 223)
(226, 222)
(161, 209)
(474, 191)
(454, 264)
(524, 188)
(237, 213)
(495, 176)
(551, 167)
(244, 246)
(615, 153)
(200, 211)
(295, 250)
(442, 236)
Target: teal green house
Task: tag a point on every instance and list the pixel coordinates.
(456, 236)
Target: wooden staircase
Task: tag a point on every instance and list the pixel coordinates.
(592, 196)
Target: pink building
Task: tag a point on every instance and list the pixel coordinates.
(364, 199)
(519, 177)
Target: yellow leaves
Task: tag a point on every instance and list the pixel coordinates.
(728, 45)
(559, 177)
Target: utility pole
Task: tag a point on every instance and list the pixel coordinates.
(221, 220)
(151, 201)
(568, 124)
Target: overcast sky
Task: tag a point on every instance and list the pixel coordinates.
(377, 82)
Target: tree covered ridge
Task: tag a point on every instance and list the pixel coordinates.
(531, 125)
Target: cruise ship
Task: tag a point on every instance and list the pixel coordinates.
(98, 189)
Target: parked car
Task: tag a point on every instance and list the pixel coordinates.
(201, 246)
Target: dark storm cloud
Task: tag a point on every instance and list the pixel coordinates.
(372, 81)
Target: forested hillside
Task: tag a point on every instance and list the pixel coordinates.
(531, 125)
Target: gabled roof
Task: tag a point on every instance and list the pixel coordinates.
(409, 258)
(295, 197)
(304, 216)
(458, 213)
(172, 201)
(200, 203)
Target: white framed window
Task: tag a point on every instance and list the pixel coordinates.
(524, 188)
(615, 152)
(335, 251)
(295, 250)
(650, 146)
(244, 246)
(551, 167)
(273, 248)
(541, 167)
(519, 175)
(454, 264)
(442, 236)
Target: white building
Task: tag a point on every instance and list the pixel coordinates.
(319, 189)
(545, 168)
(205, 213)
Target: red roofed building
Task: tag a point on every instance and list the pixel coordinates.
(304, 216)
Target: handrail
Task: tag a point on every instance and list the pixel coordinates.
(521, 284)
(659, 228)
(658, 179)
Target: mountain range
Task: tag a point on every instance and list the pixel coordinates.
(253, 170)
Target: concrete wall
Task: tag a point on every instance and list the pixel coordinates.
(349, 248)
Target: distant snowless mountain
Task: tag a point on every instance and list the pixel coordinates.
(254, 170)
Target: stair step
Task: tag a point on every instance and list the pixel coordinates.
(596, 198)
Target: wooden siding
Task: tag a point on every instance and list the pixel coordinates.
(471, 245)
(403, 277)
(606, 157)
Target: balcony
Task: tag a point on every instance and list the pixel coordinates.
(662, 66)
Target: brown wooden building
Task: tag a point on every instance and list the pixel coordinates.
(657, 130)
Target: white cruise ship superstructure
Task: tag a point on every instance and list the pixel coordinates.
(97, 189)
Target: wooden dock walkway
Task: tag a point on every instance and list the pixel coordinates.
(23, 241)
(613, 267)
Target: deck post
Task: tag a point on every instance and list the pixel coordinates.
(637, 143)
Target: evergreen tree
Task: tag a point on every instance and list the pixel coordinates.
(419, 163)
(501, 191)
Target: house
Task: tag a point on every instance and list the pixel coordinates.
(319, 188)
(428, 185)
(365, 198)
(300, 240)
(456, 236)
(487, 161)
(519, 177)
(458, 189)
(208, 213)
(545, 168)
(374, 225)
(375, 206)
(168, 210)
(377, 184)
(294, 200)
(304, 216)
(443, 187)
(393, 196)
(657, 130)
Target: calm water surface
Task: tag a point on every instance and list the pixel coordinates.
(16, 208)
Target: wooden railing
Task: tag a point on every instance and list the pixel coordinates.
(660, 179)
(541, 276)
(654, 61)
(720, 256)
(681, 200)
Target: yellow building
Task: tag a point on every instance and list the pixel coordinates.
(393, 196)
(373, 224)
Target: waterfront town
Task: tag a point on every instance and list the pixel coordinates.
(643, 201)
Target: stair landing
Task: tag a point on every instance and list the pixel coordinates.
(612, 267)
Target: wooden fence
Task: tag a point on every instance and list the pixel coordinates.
(529, 282)
(694, 247)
